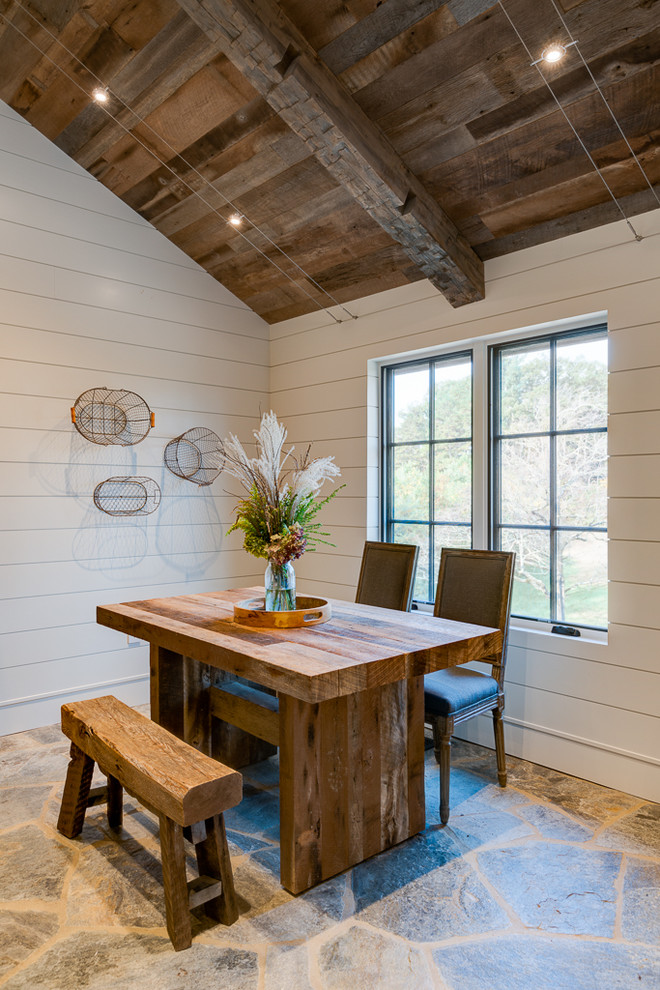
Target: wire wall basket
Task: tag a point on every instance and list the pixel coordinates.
(197, 455)
(105, 416)
(132, 496)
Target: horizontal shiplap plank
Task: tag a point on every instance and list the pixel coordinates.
(347, 393)
(24, 345)
(634, 519)
(595, 722)
(37, 580)
(635, 347)
(68, 673)
(37, 710)
(23, 377)
(74, 188)
(134, 298)
(634, 391)
(633, 562)
(636, 605)
(312, 427)
(60, 609)
(22, 416)
(634, 476)
(606, 684)
(122, 540)
(26, 299)
(62, 511)
(634, 433)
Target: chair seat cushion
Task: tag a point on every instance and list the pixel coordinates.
(449, 691)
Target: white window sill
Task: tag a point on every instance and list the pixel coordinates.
(533, 636)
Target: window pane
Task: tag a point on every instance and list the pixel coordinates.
(453, 482)
(421, 536)
(581, 383)
(453, 399)
(525, 389)
(410, 419)
(411, 482)
(525, 481)
(582, 479)
(531, 585)
(582, 578)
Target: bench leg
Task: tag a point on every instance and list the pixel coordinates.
(213, 861)
(115, 803)
(174, 880)
(76, 793)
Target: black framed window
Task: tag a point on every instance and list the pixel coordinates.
(505, 446)
(427, 459)
(549, 473)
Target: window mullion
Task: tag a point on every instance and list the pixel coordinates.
(554, 535)
(431, 536)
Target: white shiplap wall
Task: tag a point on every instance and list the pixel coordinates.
(590, 709)
(91, 294)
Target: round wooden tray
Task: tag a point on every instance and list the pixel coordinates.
(310, 612)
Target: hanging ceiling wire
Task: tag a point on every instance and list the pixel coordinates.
(638, 237)
(100, 85)
(605, 101)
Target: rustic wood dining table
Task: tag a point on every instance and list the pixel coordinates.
(351, 710)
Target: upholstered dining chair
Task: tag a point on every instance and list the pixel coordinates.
(473, 586)
(387, 575)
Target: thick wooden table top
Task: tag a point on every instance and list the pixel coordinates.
(360, 647)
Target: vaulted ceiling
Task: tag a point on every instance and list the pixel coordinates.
(365, 143)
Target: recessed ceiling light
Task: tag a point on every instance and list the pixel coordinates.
(235, 220)
(100, 95)
(553, 53)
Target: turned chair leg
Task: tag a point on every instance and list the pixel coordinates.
(76, 793)
(498, 728)
(442, 745)
(177, 911)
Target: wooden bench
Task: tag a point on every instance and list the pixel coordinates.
(187, 790)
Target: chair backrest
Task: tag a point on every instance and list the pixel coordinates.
(475, 586)
(387, 575)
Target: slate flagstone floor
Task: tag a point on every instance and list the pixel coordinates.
(552, 882)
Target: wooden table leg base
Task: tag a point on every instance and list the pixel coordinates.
(351, 779)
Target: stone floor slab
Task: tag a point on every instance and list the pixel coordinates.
(35, 766)
(363, 960)
(19, 805)
(424, 891)
(111, 887)
(590, 803)
(32, 865)
(102, 961)
(21, 932)
(640, 918)
(521, 962)
(287, 968)
(556, 887)
(553, 824)
(638, 832)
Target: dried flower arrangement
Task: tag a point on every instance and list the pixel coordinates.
(277, 515)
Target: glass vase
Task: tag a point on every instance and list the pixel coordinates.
(280, 583)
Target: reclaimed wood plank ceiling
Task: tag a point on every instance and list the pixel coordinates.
(366, 143)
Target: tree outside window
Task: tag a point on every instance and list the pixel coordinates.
(547, 458)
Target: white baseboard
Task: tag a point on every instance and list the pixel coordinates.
(39, 710)
(633, 773)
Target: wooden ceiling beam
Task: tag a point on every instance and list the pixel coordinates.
(278, 61)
